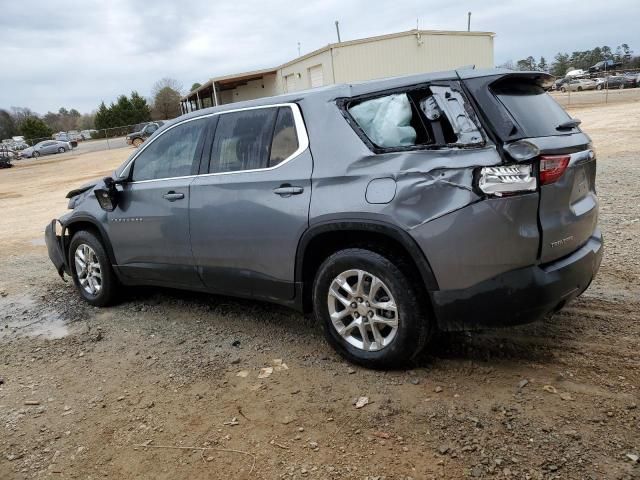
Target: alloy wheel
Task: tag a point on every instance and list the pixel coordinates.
(88, 269)
(363, 310)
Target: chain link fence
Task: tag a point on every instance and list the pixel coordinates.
(616, 86)
(87, 140)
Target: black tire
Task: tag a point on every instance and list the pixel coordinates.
(35, 154)
(579, 89)
(621, 86)
(563, 90)
(414, 322)
(598, 87)
(109, 283)
(62, 150)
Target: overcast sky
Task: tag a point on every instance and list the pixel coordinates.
(76, 54)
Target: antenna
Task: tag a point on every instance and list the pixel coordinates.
(469, 22)
(338, 30)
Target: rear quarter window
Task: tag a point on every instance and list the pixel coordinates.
(534, 110)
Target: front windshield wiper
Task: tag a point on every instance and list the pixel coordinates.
(569, 124)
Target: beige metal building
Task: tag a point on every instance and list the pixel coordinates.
(404, 53)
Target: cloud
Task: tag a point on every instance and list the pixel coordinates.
(65, 53)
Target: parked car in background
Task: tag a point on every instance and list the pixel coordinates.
(7, 155)
(619, 81)
(388, 208)
(604, 66)
(65, 137)
(137, 138)
(578, 85)
(574, 73)
(46, 147)
(86, 134)
(559, 83)
(633, 78)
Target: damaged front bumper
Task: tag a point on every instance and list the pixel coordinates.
(56, 248)
(519, 296)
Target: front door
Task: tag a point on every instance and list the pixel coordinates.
(249, 211)
(149, 230)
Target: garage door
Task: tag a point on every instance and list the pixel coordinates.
(315, 75)
(289, 83)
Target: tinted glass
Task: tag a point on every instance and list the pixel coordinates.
(171, 154)
(536, 113)
(242, 140)
(285, 139)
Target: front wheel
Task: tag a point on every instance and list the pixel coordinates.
(621, 86)
(598, 87)
(62, 150)
(137, 142)
(371, 312)
(35, 154)
(91, 269)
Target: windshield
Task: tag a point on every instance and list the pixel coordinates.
(535, 112)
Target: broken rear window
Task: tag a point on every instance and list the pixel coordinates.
(432, 117)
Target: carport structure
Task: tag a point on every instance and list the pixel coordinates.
(211, 92)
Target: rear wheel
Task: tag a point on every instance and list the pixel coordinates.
(370, 310)
(62, 150)
(91, 269)
(579, 89)
(563, 90)
(137, 142)
(621, 86)
(35, 154)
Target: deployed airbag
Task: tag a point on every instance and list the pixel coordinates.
(386, 120)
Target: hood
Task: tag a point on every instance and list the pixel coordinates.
(83, 188)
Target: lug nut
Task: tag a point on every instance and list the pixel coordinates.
(371, 313)
(356, 315)
(359, 300)
(354, 305)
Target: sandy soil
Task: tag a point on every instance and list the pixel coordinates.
(82, 389)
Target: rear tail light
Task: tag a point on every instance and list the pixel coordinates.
(507, 180)
(552, 167)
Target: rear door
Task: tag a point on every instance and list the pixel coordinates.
(521, 111)
(250, 208)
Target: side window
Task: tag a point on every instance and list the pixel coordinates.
(285, 138)
(242, 140)
(171, 154)
(433, 116)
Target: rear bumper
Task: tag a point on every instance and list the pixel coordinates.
(519, 296)
(54, 248)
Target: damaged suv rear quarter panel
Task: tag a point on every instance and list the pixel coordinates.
(435, 200)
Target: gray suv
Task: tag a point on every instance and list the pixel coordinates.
(391, 209)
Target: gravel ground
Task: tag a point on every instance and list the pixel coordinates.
(97, 393)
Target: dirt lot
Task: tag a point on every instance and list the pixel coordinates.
(82, 389)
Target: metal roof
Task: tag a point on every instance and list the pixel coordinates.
(244, 77)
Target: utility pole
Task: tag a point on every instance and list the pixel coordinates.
(469, 22)
(338, 30)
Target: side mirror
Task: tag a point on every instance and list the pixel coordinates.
(108, 196)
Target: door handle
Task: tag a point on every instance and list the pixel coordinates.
(287, 190)
(173, 196)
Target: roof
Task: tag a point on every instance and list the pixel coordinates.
(255, 74)
(342, 90)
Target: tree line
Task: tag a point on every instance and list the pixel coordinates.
(126, 110)
(563, 61)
